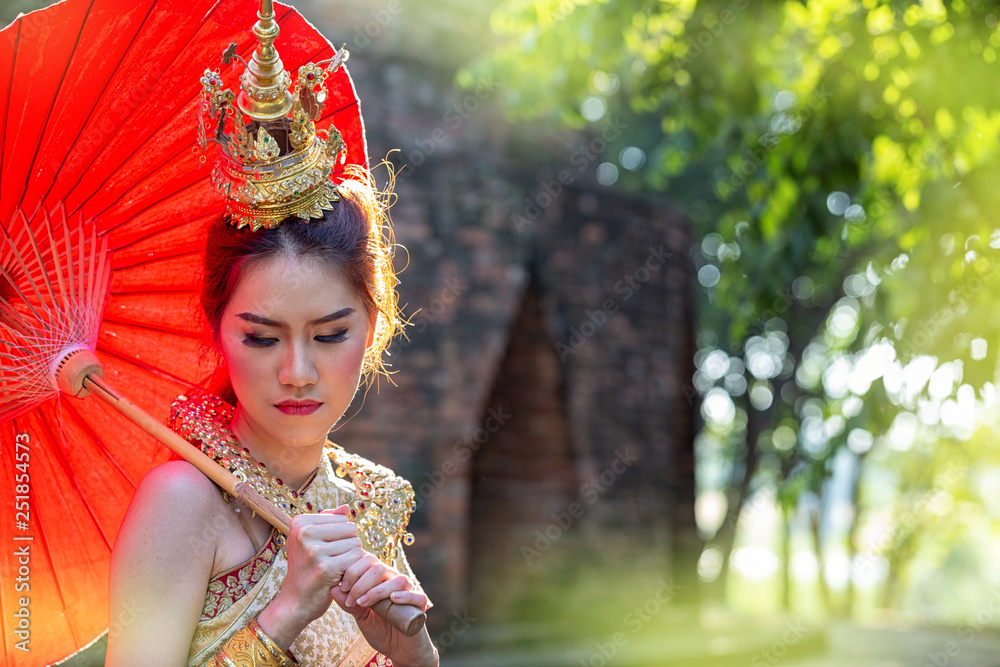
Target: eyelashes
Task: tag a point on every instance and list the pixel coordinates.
(333, 338)
(256, 341)
(251, 340)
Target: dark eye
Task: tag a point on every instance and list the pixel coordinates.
(333, 338)
(256, 341)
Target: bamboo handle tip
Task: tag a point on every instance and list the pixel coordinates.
(404, 617)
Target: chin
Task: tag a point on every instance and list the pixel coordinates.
(302, 431)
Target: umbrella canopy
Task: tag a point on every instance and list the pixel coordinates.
(99, 105)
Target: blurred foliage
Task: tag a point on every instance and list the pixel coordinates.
(839, 160)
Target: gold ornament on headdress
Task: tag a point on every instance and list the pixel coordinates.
(274, 163)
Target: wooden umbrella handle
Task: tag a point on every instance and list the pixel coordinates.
(408, 619)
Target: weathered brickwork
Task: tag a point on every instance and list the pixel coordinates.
(547, 369)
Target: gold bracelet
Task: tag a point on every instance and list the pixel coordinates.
(251, 647)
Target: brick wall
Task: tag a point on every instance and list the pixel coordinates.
(564, 311)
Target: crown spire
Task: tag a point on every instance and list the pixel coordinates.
(265, 95)
(274, 162)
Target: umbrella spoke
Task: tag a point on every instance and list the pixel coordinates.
(41, 263)
(56, 263)
(70, 271)
(24, 268)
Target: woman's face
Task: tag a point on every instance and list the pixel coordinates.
(293, 337)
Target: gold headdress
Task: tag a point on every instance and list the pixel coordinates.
(274, 163)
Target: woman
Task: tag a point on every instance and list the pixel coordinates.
(293, 313)
(299, 296)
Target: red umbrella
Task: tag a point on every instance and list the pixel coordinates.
(99, 105)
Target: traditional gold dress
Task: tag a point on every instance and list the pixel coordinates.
(239, 594)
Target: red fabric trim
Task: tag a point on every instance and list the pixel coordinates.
(227, 587)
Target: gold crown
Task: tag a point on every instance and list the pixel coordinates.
(274, 163)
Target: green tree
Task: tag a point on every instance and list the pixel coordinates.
(839, 161)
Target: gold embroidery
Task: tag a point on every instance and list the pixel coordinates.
(333, 639)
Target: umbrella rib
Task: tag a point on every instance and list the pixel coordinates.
(10, 82)
(104, 285)
(55, 259)
(93, 274)
(47, 425)
(347, 106)
(149, 327)
(90, 112)
(114, 227)
(82, 268)
(152, 292)
(163, 230)
(41, 263)
(155, 203)
(214, 8)
(13, 283)
(154, 260)
(143, 367)
(55, 579)
(153, 137)
(62, 80)
(85, 425)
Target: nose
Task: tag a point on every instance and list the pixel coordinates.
(298, 368)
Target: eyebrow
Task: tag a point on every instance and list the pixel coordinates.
(259, 319)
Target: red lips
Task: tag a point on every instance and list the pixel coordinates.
(298, 408)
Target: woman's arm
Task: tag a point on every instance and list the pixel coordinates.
(325, 564)
(160, 567)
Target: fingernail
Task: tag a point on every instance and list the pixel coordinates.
(350, 601)
(363, 601)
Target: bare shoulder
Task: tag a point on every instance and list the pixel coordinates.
(174, 513)
(176, 492)
(161, 564)
(179, 481)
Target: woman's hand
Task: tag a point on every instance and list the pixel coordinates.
(320, 548)
(327, 563)
(367, 581)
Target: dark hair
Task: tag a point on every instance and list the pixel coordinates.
(355, 237)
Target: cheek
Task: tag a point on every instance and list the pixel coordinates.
(242, 367)
(348, 362)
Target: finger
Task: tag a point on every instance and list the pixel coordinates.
(410, 597)
(342, 510)
(324, 531)
(340, 597)
(375, 586)
(362, 582)
(363, 560)
(384, 589)
(337, 567)
(324, 517)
